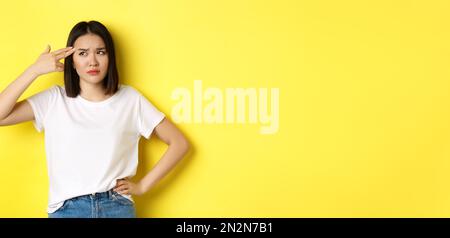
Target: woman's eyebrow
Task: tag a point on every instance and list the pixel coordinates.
(81, 49)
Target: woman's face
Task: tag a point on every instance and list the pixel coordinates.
(90, 58)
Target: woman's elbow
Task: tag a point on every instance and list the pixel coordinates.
(182, 145)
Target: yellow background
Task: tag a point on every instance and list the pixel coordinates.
(364, 103)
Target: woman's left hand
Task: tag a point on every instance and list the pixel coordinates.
(125, 186)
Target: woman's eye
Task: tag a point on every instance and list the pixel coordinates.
(101, 52)
(82, 53)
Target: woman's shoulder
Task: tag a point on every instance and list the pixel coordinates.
(59, 90)
(130, 90)
(56, 89)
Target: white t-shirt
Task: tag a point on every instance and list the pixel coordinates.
(89, 145)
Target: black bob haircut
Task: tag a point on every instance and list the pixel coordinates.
(71, 78)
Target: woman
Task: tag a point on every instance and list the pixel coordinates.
(92, 127)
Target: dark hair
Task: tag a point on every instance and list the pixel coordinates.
(71, 78)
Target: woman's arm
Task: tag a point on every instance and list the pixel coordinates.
(12, 93)
(46, 63)
(178, 147)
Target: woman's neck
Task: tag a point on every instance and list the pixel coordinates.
(92, 92)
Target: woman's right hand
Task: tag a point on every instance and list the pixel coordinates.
(48, 62)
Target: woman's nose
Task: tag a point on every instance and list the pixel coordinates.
(93, 61)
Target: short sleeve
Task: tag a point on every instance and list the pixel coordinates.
(40, 103)
(148, 116)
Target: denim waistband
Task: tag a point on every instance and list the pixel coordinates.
(107, 194)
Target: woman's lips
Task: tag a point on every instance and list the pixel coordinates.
(93, 72)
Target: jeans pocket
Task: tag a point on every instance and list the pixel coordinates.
(64, 206)
(121, 199)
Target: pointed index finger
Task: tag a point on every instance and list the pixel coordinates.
(57, 52)
(63, 55)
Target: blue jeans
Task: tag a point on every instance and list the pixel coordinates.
(108, 204)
